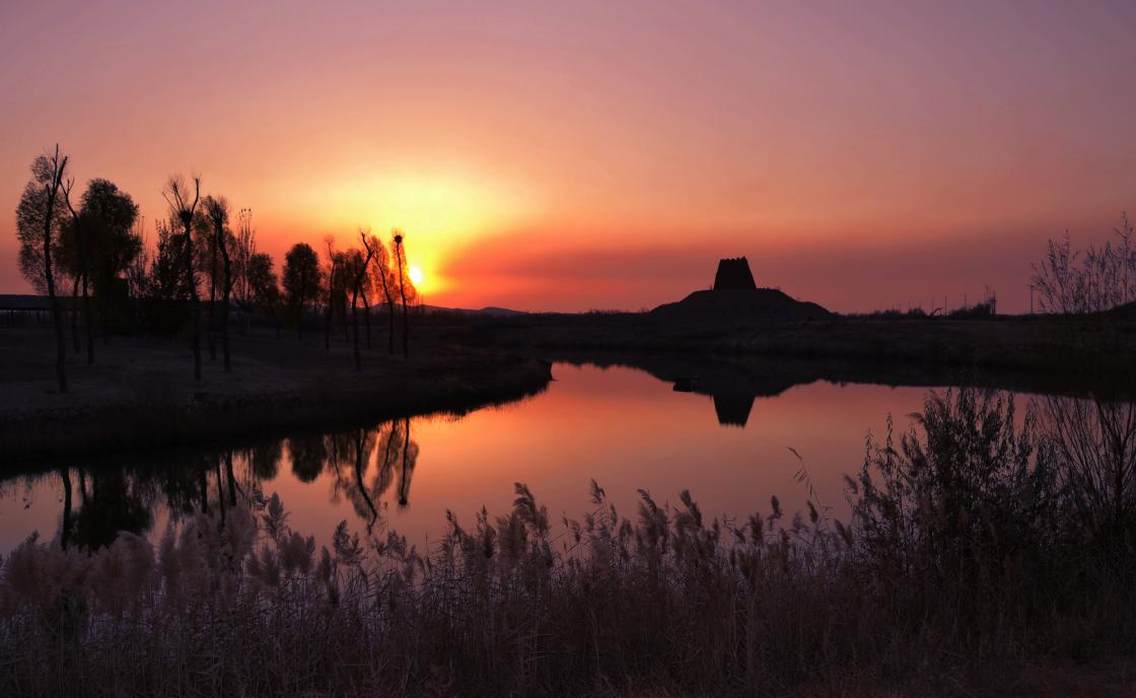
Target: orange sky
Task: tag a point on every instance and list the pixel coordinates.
(604, 155)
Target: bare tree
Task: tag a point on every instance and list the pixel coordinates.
(359, 267)
(37, 226)
(332, 268)
(136, 272)
(244, 249)
(400, 258)
(176, 195)
(1092, 280)
(383, 273)
(217, 211)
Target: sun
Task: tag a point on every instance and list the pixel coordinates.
(415, 275)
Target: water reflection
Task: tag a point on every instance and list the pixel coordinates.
(726, 436)
(98, 502)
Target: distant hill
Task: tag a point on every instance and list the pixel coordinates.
(490, 310)
(725, 307)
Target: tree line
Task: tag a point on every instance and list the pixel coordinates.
(96, 244)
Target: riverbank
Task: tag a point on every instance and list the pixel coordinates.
(141, 394)
(1085, 345)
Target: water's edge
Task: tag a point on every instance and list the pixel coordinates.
(32, 441)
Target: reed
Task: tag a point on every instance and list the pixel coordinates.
(966, 548)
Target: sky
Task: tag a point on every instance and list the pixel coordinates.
(603, 155)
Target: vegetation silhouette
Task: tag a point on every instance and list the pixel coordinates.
(977, 539)
(301, 280)
(38, 226)
(177, 195)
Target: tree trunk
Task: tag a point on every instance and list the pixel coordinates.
(211, 316)
(194, 310)
(360, 438)
(402, 294)
(231, 478)
(300, 313)
(355, 327)
(65, 527)
(330, 305)
(203, 483)
(57, 317)
(88, 320)
(343, 313)
(75, 315)
(226, 289)
(367, 320)
(404, 478)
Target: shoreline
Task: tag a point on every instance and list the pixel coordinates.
(1095, 347)
(466, 382)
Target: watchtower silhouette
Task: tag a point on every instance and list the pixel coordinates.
(734, 275)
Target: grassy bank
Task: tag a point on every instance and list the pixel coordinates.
(987, 553)
(141, 393)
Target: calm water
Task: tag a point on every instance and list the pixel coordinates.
(621, 426)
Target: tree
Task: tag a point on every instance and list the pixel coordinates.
(263, 287)
(136, 272)
(243, 251)
(357, 265)
(400, 261)
(101, 247)
(176, 194)
(217, 211)
(165, 279)
(332, 281)
(385, 282)
(38, 223)
(301, 281)
(205, 262)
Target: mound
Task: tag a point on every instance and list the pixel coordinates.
(725, 307)
(1124, 312)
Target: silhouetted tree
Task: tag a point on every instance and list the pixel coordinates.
(113, 505)
(101, 247)
(263, 287)
(166, 278)
(217, 211)
(264, 459)
(1091, 280)
(301, 280)
(406, 290)
(357, 265)
(409, 460)
(243, 251)
(386, 282)
(205, 262)
(38, 222)
(308, 455)
(332, 280)
(136, 271)
(177, 196)
(374, 248)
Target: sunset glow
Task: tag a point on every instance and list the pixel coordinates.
(606, 154)
(416, 276)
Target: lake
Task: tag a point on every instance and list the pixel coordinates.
(621, 426)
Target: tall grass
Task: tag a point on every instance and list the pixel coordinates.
(966, 544)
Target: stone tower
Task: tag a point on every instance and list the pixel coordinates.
(734, 275)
